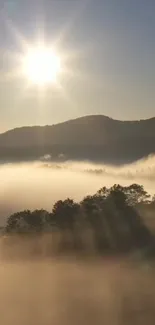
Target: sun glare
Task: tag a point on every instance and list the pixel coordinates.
(41, 66)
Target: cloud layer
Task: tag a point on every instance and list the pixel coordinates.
(40, 184)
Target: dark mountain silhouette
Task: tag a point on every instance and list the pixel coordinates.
(97, 138)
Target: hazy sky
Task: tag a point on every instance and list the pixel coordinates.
(111, 56)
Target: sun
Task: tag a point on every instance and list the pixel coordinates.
(41, 66)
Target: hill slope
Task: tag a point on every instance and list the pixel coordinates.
(95, 137)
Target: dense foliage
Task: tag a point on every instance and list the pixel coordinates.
(110, 217)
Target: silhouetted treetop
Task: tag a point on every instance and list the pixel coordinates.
(111, 214)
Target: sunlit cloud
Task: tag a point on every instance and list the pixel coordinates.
(41, 183)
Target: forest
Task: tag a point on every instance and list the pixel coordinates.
(109, 222)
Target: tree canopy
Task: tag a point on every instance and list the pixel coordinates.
(111, 214)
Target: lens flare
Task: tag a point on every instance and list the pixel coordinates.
(41, 66)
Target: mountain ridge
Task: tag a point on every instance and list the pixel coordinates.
(92, 137)
(79, 118)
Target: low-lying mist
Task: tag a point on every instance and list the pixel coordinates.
(39, 184)
(50, 288)
(76, 293)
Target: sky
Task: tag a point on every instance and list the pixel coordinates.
(110, 48)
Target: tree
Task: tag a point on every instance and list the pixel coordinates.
(136, 194)
(65, 213)
(103, 192)
(37, 220)
(110, 216)
(96, 214)
(131, 224)
(111, 211)
(27, 221)
(17, 222)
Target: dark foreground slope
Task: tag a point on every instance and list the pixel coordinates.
(95, 138)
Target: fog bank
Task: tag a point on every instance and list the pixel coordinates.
(74, 292)
(38, 185)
